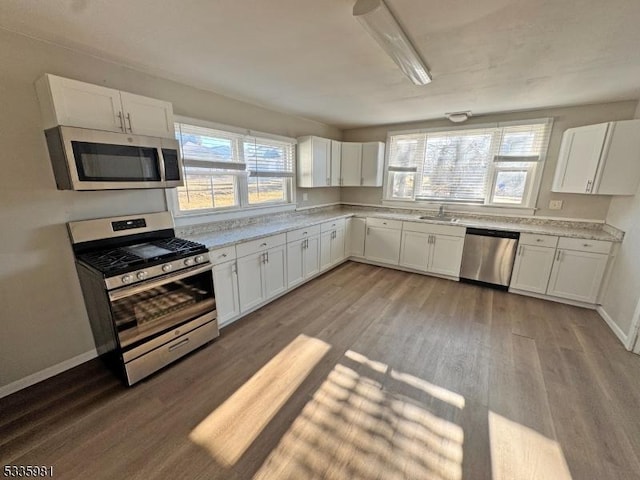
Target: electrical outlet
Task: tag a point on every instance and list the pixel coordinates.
(305, 197)
(555, 205)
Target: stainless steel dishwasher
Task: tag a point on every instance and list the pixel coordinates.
(488, 256)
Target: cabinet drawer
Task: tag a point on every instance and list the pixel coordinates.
(384, 223)
(582, 245)
(221, 255)
(538, 240)
(301, 233)
(260, 245)
(434, 228)
(332, 225)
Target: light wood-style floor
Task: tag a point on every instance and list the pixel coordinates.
(363, 373)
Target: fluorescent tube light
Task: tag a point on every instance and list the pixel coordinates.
(376, 18)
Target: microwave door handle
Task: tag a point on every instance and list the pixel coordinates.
(142, 286)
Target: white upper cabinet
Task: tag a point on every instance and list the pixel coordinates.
(336, 163)
(351, 164)
(314, 162)
(362, 164)
(372, 164)
(77, 104)
(601, 159)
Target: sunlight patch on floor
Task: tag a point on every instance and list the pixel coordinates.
(229, 431)
(353, 428)
(518, 452)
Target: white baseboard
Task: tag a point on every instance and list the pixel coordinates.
(614, 326)
(47, 373)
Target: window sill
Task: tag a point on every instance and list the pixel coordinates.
(185, 219)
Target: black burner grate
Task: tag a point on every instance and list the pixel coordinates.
(113, 261)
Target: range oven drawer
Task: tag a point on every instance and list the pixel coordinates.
(169, 352)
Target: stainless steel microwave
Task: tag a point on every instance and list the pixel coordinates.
(85, 159)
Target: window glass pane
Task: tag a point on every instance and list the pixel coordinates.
(402, 184)
(510, 186)
(199, 143)
(266, 189)
(263, 157)
(455, 167)
(204, 189)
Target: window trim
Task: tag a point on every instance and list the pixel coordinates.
(201, 215)
(535, 182)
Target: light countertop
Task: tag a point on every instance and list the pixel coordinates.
(232, 236)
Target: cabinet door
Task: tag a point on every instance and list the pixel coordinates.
(577, 275)
(351, 164)
(225, 284)
(446, 255)
(336, 162)
(383, 245)
(275, 271)
(147, 116)
(250, 281)
(415, 249)
(311, 254)
(532, 268)
(295, 263)
(354, 241)
(325, 250)
(619, 173)
(578, 160)
(337, 246)
(79, 104)
(372, 163)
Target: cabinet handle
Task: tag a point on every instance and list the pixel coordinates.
(539, 240)
(264, 257)
(520, 250)
(306, 243)
(178, 345)
(368, 230)
(587, 245)
(588, 189)
(263, 244)
(129, 120)
(558, 255)
(121, 118)
(267, 254)
(304, 233)
(224, 255)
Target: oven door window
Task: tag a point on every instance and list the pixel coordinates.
(154, 310)
(99, 162)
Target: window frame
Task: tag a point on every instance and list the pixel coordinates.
(533, 181)
(244, 207)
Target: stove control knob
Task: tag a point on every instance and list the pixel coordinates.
(199, 259)
(167, 267)
(141, 275)
(188, 262)
(127, 278)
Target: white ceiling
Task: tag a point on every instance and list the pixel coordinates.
(312, 58)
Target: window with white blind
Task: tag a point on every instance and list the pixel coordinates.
(231, 169)
(496, 165)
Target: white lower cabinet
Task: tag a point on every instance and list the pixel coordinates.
(354, 237)
(332, 249)
(432, 248)
(573, 270)
(382, 242)
(262, 274)
(577, 275)
(303, 260)
(532, 268)
(225, 284)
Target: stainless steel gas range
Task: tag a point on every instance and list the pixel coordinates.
(149, 295)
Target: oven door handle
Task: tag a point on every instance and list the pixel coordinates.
(142, 286)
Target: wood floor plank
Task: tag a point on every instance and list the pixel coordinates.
(420, 377)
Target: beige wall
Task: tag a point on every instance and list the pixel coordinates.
(42, 312)
(574, 206)
(623, 291)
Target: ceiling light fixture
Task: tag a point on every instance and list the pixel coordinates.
(378, 20)
(458, 117)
